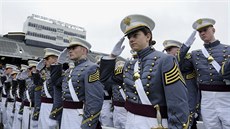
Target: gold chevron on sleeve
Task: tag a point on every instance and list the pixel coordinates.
(94, 77)
(118, 70)
(190, 75)
(188, 56)
(222, 68)
(173, 75)
(90, 118)
(38, 88)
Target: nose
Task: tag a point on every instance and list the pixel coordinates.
(131, 39)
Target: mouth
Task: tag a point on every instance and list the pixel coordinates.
(132, 44)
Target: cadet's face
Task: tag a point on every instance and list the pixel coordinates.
(75, 52)
(9, 70)
(50, 60)
(14, 76)
(207, 34)
(173, 51)
(138, 40)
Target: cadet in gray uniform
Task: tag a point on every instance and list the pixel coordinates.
(18, 98)
(45, 121)
(174, 48)
(6, 80)
(119, 97)
(156, 96)
(11, 98)
(106, 115)
(28, 99)
(38, 79)
(82, 91)
(215, 100)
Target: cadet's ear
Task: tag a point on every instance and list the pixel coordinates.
(148, 36)
(213, 29)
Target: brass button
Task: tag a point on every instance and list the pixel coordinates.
(149, 77)
(147, 84)
(153, 64)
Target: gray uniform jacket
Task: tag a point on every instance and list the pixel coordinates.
(162, 82)
(38, 83)
(88, 88)
(208, 78)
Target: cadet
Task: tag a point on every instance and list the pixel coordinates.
(18, 97)
(6, 80)
(155, 90)
(38, 83)
(45, 121)
(173, 47)
(11, 98)
(81, 88)
(215, 100)
(106, 115)
(119, 113)
(28, 99)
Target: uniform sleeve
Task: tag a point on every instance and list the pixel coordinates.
(14, 86)
(38, 82)
(56, 75)
(22, 87)
(94, 97)
(225, 70)
(108, 74)
(182, 53)
(175, 94)
(3, 79)
(185, 59)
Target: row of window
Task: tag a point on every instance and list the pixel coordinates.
(41, 35)
(54, 30)
(42, 27)
(74, 34)
(47, 36)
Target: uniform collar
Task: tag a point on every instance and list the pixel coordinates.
(213, 44)
(78, 62)
(144, 52)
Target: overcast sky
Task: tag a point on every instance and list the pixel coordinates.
(101, 19)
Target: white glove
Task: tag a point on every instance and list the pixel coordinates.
(12, 115)
(191, 39)
(34, 124)
(227, 82)
(20, 117)
(63, 56)
(52, 123)
(40, 65)
(118, 48)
